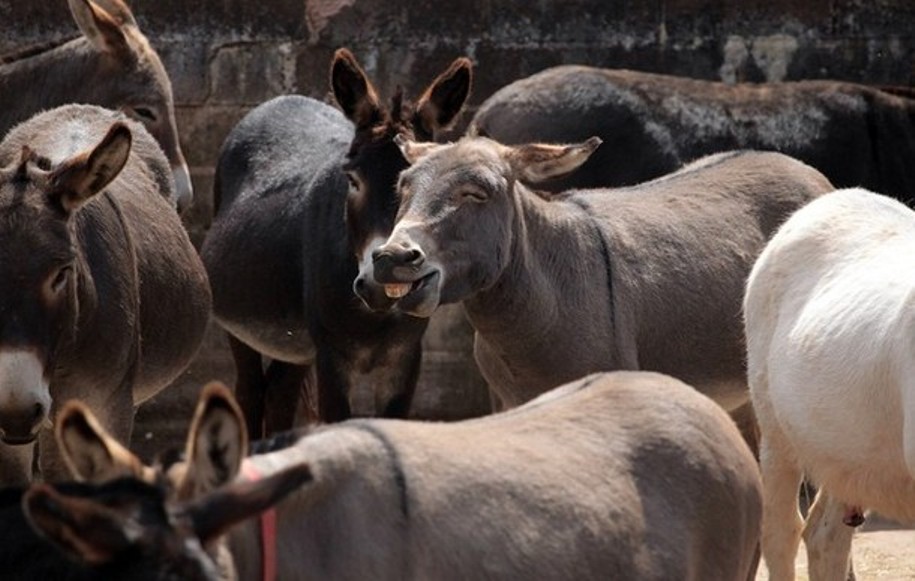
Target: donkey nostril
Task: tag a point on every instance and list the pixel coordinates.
(360, 283)
(37, 412)
(414, 255)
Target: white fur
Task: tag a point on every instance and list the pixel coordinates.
(830, 326)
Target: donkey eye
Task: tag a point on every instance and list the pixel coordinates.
(145, 113)
(473, 195)
(60, 279)
(353, 181)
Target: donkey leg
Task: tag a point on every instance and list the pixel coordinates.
(250, 385)
(398, 405)
(333, 400)
(781, 519)
(828, 539)
(285, 384)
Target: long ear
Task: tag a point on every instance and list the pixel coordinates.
(413, 151)
(439, 105)
(89, 451)
(213, 514)
(85, 174)
(216, 444)
(538, 162)
(353, 90)
(80, 527)
(103, 28)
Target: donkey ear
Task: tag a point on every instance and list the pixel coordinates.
(413, 151)
(103, 28)
(538, 162)
(353, 90)
(213, 514)
(438, 107)
(80, 527)
(85, 174)
(216, 444)
(89, 451)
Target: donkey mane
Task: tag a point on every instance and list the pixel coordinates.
(35, 49)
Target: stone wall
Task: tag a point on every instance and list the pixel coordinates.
(226, 56)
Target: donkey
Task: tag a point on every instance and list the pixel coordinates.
(830, 310)
(304, 194)
(125, 529)
(102, 295)
(556, 287)
(111, 65)
(655, 484)
(651, 124)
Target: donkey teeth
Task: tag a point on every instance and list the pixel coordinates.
(396, 291)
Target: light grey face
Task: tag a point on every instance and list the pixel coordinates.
(453, 234)
(24, 395)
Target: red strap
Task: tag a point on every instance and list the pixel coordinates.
(268, 528)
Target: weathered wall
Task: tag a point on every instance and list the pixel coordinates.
(226, 56)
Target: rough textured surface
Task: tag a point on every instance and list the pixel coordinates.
(225, 56)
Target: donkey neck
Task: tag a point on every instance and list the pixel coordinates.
(64, 74)
(554, 293)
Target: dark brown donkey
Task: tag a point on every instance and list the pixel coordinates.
(304, 194)
(111, 65)
(649, 277)
(102, 296)
(651, 124)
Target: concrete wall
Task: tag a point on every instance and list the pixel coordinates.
(226, 56)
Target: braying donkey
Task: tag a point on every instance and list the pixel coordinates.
(558, 286)
(304, 194)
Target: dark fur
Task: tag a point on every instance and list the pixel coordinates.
(282, 250)
(651, 124)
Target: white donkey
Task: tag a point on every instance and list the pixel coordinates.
(627, 475)
(830, 326)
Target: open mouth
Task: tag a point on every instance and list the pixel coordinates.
(399, 290)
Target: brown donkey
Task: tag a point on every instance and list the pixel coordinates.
(304, 195)
(627, 475)
(102, 295)
(111, 65)
(649, 277)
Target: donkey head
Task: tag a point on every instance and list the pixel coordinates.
(374, 161)
(217, 442)
(459, 216)
(127, 529)
(43, 282)
(128, 75)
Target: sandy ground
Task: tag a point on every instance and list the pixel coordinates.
(881, 551)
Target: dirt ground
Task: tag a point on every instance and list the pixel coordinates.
(882, 550)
